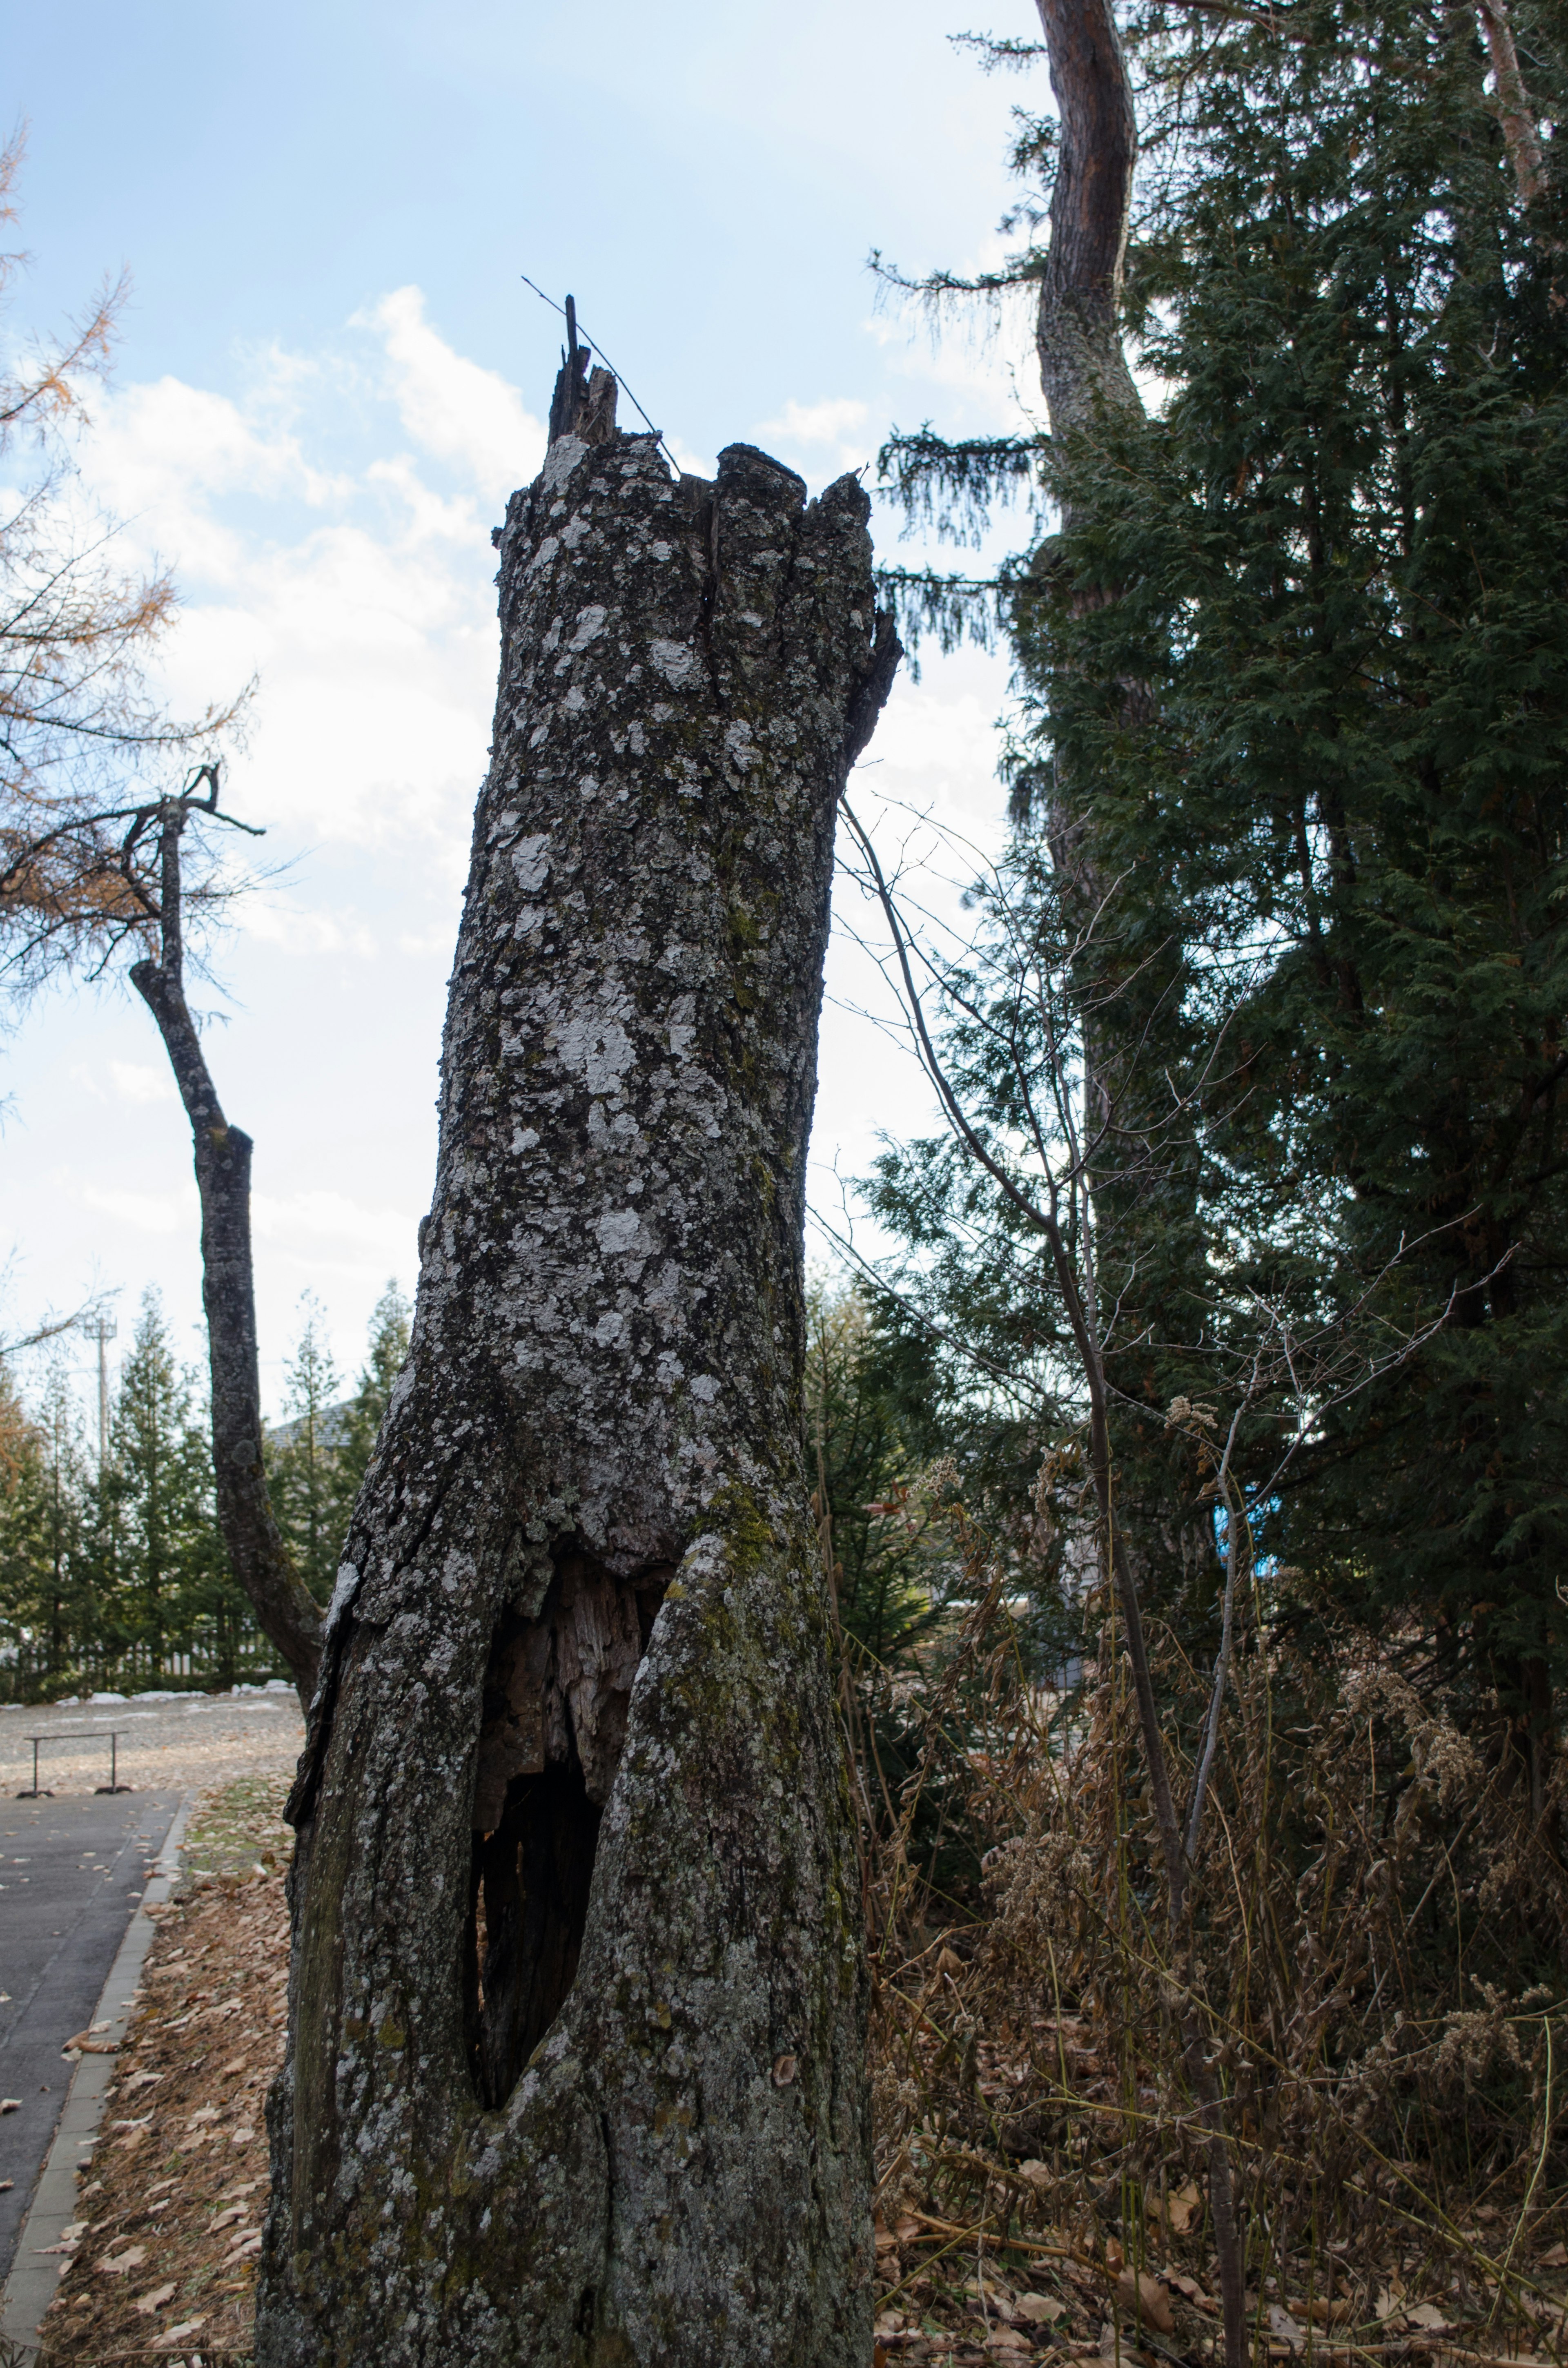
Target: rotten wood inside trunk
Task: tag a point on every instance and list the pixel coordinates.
(557, 1694)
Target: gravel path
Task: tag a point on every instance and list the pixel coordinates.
(168, 1742)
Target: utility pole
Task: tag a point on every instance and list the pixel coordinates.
(102, 1329)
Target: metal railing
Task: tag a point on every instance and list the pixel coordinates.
(79, 1735)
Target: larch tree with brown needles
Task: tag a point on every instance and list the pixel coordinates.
(80, 723)
(95, 853)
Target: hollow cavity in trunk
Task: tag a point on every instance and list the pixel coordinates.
(557, 1690)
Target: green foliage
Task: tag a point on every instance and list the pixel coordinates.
(385, 1354)
(118, 1576)
(44, 1584)
(868, 1435)
(302, 1456)
(317, 1456)
(152, 1555)
(1338, 563)
(1296, 667)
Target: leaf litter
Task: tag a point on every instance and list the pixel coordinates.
(160, 2260)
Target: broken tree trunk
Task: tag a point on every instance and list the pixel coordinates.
(575, 2056)
(286, 1611)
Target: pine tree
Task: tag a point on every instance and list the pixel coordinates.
(1333, 568)
(386, 1351)
(159, 1560)
(40, 1570)
(304, 1454)
(318, 1455)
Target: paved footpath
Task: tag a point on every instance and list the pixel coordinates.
(71, 1873)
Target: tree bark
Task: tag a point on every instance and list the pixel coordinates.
(575, 2056)
(1082, 365)
(287, 1613)
(1084, 376)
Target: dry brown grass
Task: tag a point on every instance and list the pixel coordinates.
(1380, 1941)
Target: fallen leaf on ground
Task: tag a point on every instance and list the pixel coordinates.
(114, 2265)
(177, 2334)
(1285, 2330)
(1043, 2309)
(227, 2219)
(157, 2298)
(1428, 2315)
(1327, 2314)
(1147, 2297)
(1039, 2174)
(1176, 2209)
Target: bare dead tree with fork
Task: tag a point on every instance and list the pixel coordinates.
(288, 1615)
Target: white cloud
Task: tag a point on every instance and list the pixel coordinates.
(692, 464)
(296, 929)
(173, 1212)
(362, 599)
(835, 421)
(453, 408)
(135, 1083)
(378, 1237)
(821, 439)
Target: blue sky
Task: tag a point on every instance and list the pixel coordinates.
(330, 377)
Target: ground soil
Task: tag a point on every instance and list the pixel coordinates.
(172, 1742)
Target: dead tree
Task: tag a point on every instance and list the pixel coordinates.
(286, 1611)
(576, 2054)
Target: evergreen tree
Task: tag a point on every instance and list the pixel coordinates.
(303, 1454)
(40, 1566)
(154, 1538)
(866, 1444)
(385, 1352)
(1332, 805)
(318, 1455)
